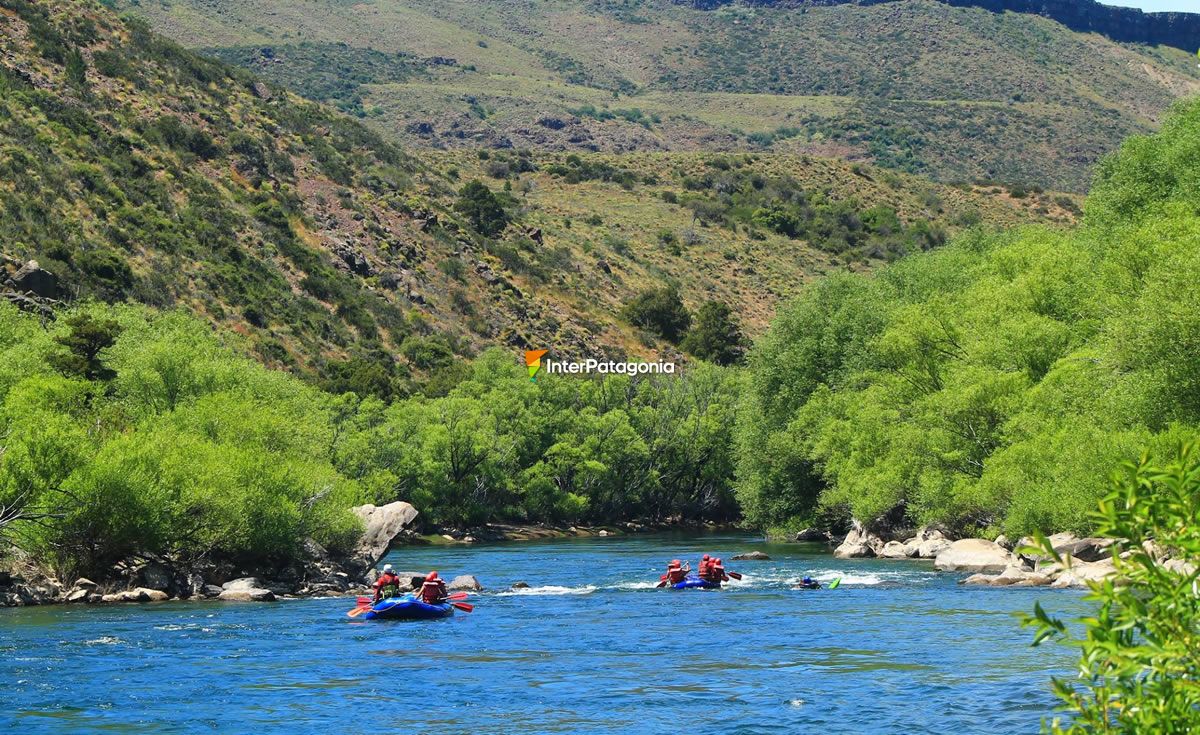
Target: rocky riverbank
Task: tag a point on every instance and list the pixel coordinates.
(144, 578)
(996, 563)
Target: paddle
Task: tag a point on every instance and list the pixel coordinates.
(734, 575)
(834, 584)
(463, 606)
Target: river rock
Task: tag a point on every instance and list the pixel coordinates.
(973, 555)
(927, 543)
(243, 583)
(138, 594)
(381, 526)
(1080, 573)
(520, 585)
(752, 556)
(895, 550)
(465, 582)
(859, 543)
(247, 595)
(155, 576)
(211, 590)
(83, 583)
(1180, 566)
(853, 551)
(77, 595)
(811, 535)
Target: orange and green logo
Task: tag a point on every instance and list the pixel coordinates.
(533, 361)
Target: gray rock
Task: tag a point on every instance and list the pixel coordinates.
(247, 595)
(973, 555)
(139, 594)
(853, 551)
(381, 526)
(520, 585)
(244, 583)
(465, 582)
(155, 576)
(752, 556)
(894, 550)
(78, 595)
(83, 583)
(31, 278)
(211, 590)
(812, 534)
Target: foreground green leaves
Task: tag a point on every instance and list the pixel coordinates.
(1139, 663)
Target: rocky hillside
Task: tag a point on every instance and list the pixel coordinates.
(956, 93)
(136, 170)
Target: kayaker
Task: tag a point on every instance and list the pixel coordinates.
(388, 584)
(808, 583)
(676, 572)
(433, 591)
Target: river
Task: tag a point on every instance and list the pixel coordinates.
(591, 647)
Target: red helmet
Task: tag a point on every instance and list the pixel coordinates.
(432, 576)
(706, 557)
(718, 561)
(674, 563)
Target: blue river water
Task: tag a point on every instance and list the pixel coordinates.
(591, 647)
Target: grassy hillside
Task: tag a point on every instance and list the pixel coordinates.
(137, 170)
(957, 93)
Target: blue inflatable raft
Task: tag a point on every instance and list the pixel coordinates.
(408, 608)
(694, 583)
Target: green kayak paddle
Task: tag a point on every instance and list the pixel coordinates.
(834, 584)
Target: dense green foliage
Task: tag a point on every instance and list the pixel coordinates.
(482, 209)
(715, 335)
(164, 440)
(1138, 667)
(127, 431)
(661, 311)
(990, 384)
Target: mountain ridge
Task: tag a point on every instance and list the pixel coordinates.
(1128, 25)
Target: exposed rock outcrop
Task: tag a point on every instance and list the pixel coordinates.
(974, 555)
(381, 526)
(752, 556)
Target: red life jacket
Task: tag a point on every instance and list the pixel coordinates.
(433, 591)
(675, 575)
(705, 569)
(387, 578)
(716, 573)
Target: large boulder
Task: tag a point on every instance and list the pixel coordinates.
(894, 550)
(243, 583)
(973, 555)
(853, 551)
(32, 278)
(466, 583)
(859, 543)
(381, 525)
(752, 556)
(138, 594)
(927, 543)
(155, 576)
(811, 535)
(250, 594)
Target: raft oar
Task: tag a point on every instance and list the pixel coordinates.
(834, 584)
(734, 575)
(463, 606)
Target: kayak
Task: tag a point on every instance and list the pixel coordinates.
(692, 583)
(408, 608)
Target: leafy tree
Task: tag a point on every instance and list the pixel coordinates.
(482, 209)
(1138, 665)
(661, 311)
(715, 335)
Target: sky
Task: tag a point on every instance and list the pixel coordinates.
(1154, 6)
